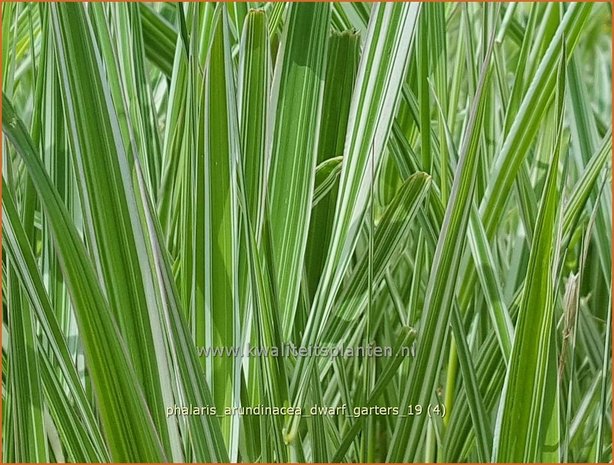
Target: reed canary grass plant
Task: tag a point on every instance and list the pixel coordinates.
(197, 196)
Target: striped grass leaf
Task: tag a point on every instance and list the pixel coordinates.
(254, 80)
(490, 370)
(485, 266)
(438, 58)
(159, 38)
(351, 15)
(120, 400)
(204, 434)
(581, 421)
(27, 395)
(539, 93)
(507, 163)
(585, 185)
(491, 373)
(424, 98)
(54, 150)
(108, 52)
(185, 182)
(237, 13)
(216, 229)
(567, 357)
(133, 77)
(440, 288)
(83, 436)
(520, 84)
(601, 445)
(133, 114)
(172, 139)
(477, 409)
(326, 179)
(273, 388)
(391, 231)
(317, 424)
(296, 97)
(342, 63)
(380, 74)
(28, 206)
(587, 139)
(520, 432)
(9, 16)
(117, 256)
(406, 338)
(8, 445)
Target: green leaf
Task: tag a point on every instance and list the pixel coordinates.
(216, 229)
(130, 434)
(539, 93)
(296, 98)
(523, 417)
(390, 233)
(342, 63)
(159, 38)
(378, 83)
(27, 397)
(326, 179)
(118, 259)
(440, 288)
(80, 430)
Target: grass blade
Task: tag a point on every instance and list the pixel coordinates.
(520, 432)
(296, 98)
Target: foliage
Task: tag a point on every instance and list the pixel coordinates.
(430, 178)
